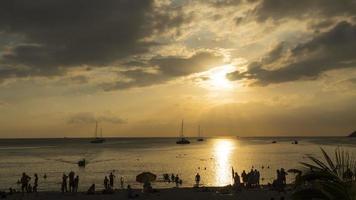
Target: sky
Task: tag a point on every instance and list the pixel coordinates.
(138, 67)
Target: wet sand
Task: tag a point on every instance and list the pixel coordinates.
(163, 194)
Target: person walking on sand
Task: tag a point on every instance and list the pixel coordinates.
(111, 177)
(76, 183)
(122, 182)
(64, 183)
(173, 178)
(197, 179)
(35, 184)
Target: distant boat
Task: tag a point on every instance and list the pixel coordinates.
(200, 139)
(97, 139)
(182, 139)
(273, 142)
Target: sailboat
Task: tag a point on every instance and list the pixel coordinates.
(182, 139)
(200, 139)
(97, 139)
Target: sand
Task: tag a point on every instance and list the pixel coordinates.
(163, 194)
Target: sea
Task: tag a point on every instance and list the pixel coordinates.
(213, 159)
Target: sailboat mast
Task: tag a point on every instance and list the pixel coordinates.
(96, 129)
(199, 131)
(182, 129)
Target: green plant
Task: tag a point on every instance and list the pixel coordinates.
(328, 178)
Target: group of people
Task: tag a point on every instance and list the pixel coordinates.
(73, 182)
(248, 180)
(26, 185)
(173, 178)
(281, 180)
(109, 182)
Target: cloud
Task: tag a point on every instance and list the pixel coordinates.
(279, 9)
(89, 118)
(53, 35)
(333, 49)
(168, 68)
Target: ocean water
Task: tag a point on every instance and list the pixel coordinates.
(128, 157)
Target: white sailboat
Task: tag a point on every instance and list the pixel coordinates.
(200, 139)
(97, 139)
(182, 139)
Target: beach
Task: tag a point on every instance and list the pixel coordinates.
(216, 193)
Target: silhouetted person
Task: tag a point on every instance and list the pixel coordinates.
(71, 181)
(106, 183)
(197, 179)
(35, 184)
(122, 182)
(173, 178)
(236, 180)
(76, 183)
(64, 183)
(45, 176)
(24, 182)
(111, 177)
(91, 189)
(176, 180)
(244, 177)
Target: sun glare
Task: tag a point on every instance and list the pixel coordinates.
(217, 77)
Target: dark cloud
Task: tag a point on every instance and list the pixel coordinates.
(280, 9)
(89, 118)
(168, 68)
(334, 49)
(55, 34)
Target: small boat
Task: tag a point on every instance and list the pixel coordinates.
(274, 141)
(200, 139)
(81, 163)
(182, 139)
(97, 139)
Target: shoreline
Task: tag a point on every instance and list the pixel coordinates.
(185, 193)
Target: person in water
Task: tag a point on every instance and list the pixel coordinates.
(111, 177)
(197, 179)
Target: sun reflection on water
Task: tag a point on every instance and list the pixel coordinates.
(222, 152)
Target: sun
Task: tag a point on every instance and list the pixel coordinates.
(217, 77)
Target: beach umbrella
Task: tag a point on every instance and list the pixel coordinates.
(146, 177)
(296, 171)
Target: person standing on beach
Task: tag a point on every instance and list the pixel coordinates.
(173, 178)
(106, 185)
(176, 180)
(71, 181)
(244, 177)
(64, 183)
(197, 179)
(122, 182)
(111, 177)
(76, 183)
(236, 180)
(24, 182)
(35, 184)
